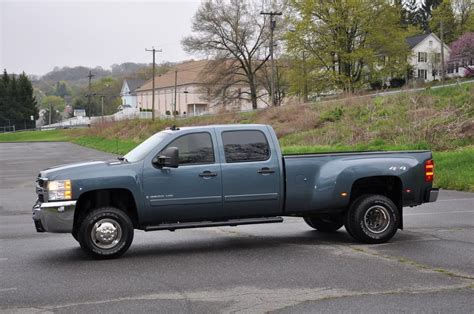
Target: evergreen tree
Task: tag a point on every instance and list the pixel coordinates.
(425, 13)
(444, 14)
(17, 103)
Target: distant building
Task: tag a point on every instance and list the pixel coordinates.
(193, 98)
(426, 57)
(128, 94)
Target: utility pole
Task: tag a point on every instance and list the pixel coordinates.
(90, 76)
(50, 109)
(102, 106)
(153, 84)
(272, 28)
(175, 90)
(442, 51)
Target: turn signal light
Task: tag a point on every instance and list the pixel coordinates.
(429, 170)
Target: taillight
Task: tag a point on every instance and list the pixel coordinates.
(429, 170)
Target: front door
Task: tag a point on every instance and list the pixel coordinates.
(193, 191)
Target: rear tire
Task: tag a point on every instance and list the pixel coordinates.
(372, 219)
(105, 233)
(325, 224)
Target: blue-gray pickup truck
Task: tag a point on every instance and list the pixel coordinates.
(228, 175)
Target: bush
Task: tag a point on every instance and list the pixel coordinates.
(397, 82)
(332, 115)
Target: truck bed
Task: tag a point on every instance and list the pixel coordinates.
(320, 182)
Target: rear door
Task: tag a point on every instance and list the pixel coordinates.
(250, 173)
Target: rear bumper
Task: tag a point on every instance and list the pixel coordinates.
(431, 195)
(57, 217)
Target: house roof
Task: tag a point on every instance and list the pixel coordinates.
(187, 73)
(412, 41)
(134, 84)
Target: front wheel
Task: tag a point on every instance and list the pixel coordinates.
(105, 232)
(372, 219)
(325, 224)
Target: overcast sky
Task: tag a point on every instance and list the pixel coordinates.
(36, 36)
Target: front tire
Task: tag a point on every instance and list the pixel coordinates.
(105, 233)
(372, 219)
(325, 224)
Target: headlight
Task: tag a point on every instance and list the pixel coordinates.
(59, 190)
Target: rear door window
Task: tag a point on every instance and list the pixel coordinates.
(245, 146)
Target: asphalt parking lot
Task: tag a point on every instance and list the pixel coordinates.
(428, 267)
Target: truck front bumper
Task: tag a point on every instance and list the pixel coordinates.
(57, 217)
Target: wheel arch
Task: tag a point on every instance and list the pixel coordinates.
(119, 198)
(389, 186)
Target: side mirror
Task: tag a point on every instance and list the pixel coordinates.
(169, 157)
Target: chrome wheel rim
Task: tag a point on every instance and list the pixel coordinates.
(106, 233)
(377, 219)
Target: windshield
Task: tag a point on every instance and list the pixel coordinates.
(139, 152)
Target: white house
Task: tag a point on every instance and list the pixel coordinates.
(128, 94)
(426, 57)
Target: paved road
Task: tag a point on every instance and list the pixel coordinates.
(428, 267)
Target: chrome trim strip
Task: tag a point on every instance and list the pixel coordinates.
(251, 197)
(58, 204)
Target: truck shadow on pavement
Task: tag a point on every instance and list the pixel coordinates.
(233, 244)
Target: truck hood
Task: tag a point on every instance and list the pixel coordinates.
(70, 171)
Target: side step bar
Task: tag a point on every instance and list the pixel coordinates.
(202, 224)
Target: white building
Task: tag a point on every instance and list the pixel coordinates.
(185, 90)
(426, 57)
(129, 97)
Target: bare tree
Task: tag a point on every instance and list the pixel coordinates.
(236, 36)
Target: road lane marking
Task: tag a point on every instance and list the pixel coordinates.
(8, 289)
(456, 199)
(441, 213)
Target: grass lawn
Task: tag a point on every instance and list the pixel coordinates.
(454, 169)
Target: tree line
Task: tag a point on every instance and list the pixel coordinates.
(17, 103)
(321, 46)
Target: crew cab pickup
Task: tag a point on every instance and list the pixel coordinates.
(228, 175)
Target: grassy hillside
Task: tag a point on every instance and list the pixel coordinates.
(441, 120)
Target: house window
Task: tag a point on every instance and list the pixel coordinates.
(438, 58)
(430, 43)
(422, 74)
(422, 57)
(457, 68)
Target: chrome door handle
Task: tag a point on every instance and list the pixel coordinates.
(207, 174)
(265, 170)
